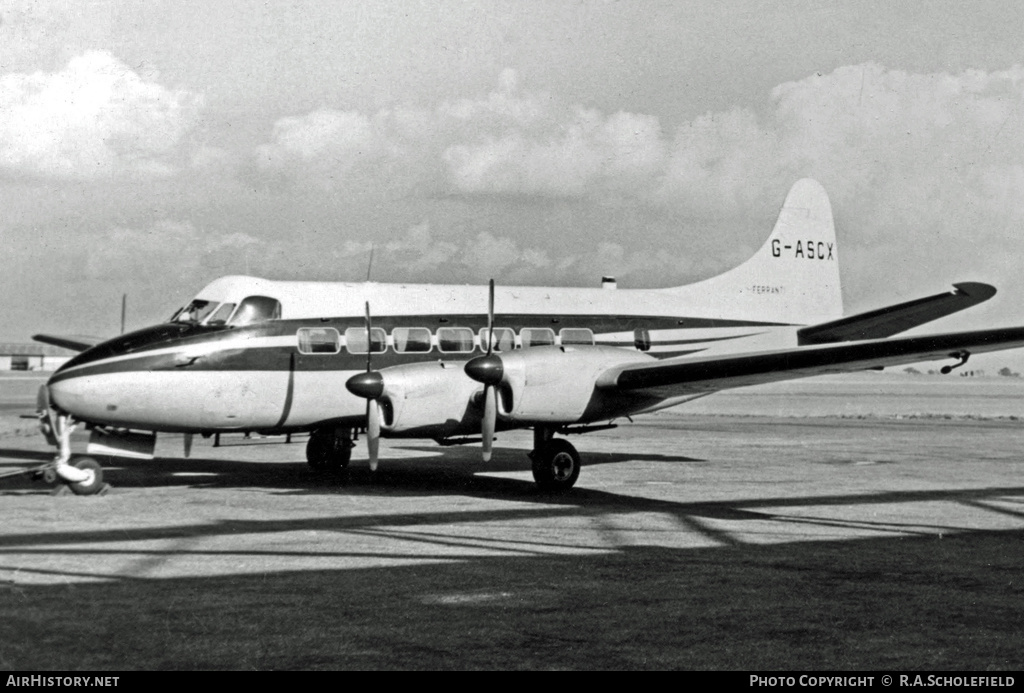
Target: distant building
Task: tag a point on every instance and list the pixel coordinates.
(32, 357)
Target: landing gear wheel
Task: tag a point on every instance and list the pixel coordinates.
(556, 465)
(327, 451)
(94, 484)
(47, 476)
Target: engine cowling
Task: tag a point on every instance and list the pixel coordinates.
(557, 384)
(433, 399)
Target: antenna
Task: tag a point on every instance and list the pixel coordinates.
(369, 265)
(124, 310)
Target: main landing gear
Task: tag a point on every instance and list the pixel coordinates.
(556, 463)
(329, 449)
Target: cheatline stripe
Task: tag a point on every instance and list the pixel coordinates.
(291, 340)
(279, 359)
(198, 349)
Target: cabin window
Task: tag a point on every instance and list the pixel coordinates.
(221, 315)
(355, 340)
(455, 340)
(536, 336)
(256, 309)
(504, 339)
(319, 340)
(576, 335)
(408, 340)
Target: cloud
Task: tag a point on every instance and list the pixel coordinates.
(910, 160)
(852, 125)
(93, 119)
(422, 254)
(324, 144)
(508, 142)
(589, 152)
(920, 150)
(191, 253)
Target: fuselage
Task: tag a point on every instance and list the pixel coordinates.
(253, 354)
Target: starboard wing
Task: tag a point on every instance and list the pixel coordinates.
(690, 375)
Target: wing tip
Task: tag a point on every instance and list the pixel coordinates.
(72, 343)
(975, 290)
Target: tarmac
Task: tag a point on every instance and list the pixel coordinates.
(689, 542)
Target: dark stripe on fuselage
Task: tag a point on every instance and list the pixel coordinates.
(278, 359)
(237, 356)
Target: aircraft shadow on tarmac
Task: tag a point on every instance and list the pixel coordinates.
(901, 598)
(897, 601)
(883, 603)
(455, 472)
(438, 470)
(29, 455)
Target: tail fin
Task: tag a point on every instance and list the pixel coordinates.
(793, 278)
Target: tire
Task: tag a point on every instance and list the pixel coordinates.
(556, 466)
(326, 451)
(92, 485)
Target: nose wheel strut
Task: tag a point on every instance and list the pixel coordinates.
(83, 475)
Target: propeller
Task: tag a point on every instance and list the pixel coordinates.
(488, 369)
(369, 385)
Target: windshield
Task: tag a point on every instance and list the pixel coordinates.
(221, 315)
(195, 312)
(251, 310)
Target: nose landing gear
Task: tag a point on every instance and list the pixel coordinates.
(83, 475)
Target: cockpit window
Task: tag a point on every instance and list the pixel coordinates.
(256, 309)
(221, 315)
(195, 312)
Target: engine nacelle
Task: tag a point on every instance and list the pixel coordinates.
(556, 384)
(430, 399)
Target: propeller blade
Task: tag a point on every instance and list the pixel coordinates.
(371, 386)
(372, 432)
(490, 317)
(489, 420)
(369, 340)
(489, 371)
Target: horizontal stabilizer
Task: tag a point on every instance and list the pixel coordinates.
(73, 343)
(891, 320)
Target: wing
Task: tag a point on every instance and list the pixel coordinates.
(696, 375)
(891, 320)
(74, 343)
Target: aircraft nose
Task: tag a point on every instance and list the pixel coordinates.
(43, 399)
(66, 394)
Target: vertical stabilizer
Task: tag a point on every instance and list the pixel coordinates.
(793, 278)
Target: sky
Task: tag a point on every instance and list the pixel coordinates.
(148, 148)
